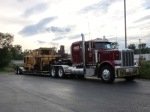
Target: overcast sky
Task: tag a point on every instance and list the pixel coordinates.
(48, 23)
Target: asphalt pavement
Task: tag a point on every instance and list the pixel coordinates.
(31, 93)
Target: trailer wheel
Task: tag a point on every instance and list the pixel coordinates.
(130, 78)
(16, 70)
(107, 74)
(53, 72)
(19, 71)
(61, 73)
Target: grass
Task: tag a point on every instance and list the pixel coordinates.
(10, 68)
(7, 69)
(144, 70)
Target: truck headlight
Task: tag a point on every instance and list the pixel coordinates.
(117, 62)
(136, 62)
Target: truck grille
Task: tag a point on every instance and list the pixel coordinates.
(127, 57)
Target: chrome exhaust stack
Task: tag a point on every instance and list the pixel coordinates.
(96, 56)
(83, 49)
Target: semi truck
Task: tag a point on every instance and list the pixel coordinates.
(94, 58)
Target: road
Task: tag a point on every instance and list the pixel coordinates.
(17, 61)
(30, 93)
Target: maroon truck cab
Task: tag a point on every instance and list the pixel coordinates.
(105, 53)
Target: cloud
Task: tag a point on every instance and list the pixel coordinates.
(57, 29)
(21, 0)
(142, 19)
(101, 6)
(54, 43)
(58, 38)
(75, 36)
(35, 10)
(40, 42)
(148, 7)
(111, 38)
(34, 29)
(146, 36)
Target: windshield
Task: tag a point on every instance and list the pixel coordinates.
(103, 45)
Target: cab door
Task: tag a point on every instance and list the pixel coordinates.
(88, 54)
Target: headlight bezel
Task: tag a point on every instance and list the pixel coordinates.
(136, 62)
(117, 62)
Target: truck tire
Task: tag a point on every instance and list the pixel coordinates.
(61, 73)
(107, 74)
(16, 70)
(130, 78)
(53, 72)
(19, 71)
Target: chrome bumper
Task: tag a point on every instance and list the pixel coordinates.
(126, 71)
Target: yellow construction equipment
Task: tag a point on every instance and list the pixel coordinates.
(38, 61)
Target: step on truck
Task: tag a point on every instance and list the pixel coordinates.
(87, 58)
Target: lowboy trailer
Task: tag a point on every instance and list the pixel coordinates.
(92, 58)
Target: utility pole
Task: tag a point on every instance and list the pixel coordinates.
(139, 48)
(116, 38)
(125, 24)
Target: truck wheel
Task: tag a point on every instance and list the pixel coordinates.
(53, 72)
(61, 73)
(107, 74)
(130, 78)
(16, 70)
(19, 71)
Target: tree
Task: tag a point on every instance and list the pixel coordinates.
(17, 52)
(27, 51)
(6, 39)
(144, 49)
(114, 45)
(142, 45)
(5, 57)
(14, 53)
(18, 48)
(6, 44)
(132, 46)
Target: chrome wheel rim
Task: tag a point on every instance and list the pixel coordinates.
(53, 72)
(18, 71)
(60, 72)
(106, 74)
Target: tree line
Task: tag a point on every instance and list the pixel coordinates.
(8, 51)
(139, 49)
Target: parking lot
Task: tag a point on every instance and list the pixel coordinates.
(31, 93)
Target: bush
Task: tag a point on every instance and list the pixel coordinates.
(9, 68)
(5, 57)
(144, 70)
